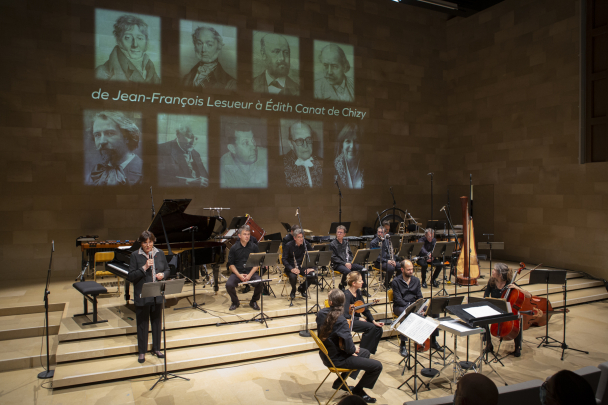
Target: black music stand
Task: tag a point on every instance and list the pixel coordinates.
(48, 373)
(286, 226)
(194, 304)
(334, 225)
(160, 288)
(502, 304)
(269, 246)
(553, 277)
(259, 260)
(316, 262)
(443, 249)
(490, 246)
(410, 249)
(237, 222)
(364, 257)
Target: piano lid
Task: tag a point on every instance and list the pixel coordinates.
(174, 219)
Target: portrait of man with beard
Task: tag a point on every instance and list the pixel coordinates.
(302, 163)
(245, 163)
(331, 80)
(208, 73)
(348, 161)
(275, 58)
(128, 60)
(116, 139)
(179, 160)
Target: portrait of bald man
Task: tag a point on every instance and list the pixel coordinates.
(182, 141)
(302, 163)
(112, 147)
(275, 58)
(333, 72)
(208, 46)
(129, 37)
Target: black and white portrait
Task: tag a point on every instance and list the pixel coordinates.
(276, 63)
(182, 150)
(334, 71)
(302, 150)
(127, 47)
(208, 55)
(112, 148)
(348, 162)
(244, 161)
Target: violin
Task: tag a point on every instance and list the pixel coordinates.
(358, 307)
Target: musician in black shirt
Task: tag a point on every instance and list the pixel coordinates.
(289, 237)
(388, 262)
(427, 249)
(498, 283)
(295, 249)
(341, 258)
(237, 259)
(148, 264)
(333, 328)
(372, 330)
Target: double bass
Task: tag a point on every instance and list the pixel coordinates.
(467, 269)
(510, 329)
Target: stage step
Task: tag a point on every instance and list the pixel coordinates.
(28, 325)
(17, 354)
(127, 366)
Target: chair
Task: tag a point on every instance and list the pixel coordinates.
(601, 396)
(102, 257)
(90, 290)
(332, 369)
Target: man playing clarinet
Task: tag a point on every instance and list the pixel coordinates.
(293, 256)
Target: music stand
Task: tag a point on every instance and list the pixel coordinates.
(553, 277)
(237, 222)
(490, 246)
(414, 307)
(410, 249)
(505, 307)
(364, 257)
(334, 225)
(409, 329)
(259, 260)
(320, 247)
(439, 305)
(269, 246)
(443, 249)
(286, 226)
(315, 259)
(162, 288)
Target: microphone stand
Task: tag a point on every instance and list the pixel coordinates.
(48, 373)
(194, 305)
(305, 333)
(431, 194)
(340, 202)
(394, 208)
(385, 287)
(467, 365)
(153, 210)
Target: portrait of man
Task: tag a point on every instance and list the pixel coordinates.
(333, 72)
(303, 166)
(129, 59)
(116, 138)
(210, 52)
(245, 162)
(348, 162)
(182, 146)
(278, 67)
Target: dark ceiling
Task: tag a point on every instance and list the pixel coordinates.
(465, 8)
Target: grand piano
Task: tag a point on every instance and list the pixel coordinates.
(168, 225)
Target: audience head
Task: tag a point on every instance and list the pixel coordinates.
(476, 389)
(352, 400)
(566, 387)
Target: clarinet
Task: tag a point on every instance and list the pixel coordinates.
(153, 269)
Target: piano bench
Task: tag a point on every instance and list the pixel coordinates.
(90, 290)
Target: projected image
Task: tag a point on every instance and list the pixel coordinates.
(302, 150)
(276, 63)
(334, 71)
(112, 148)
(244, 161)
(127, 46)
(182, 150)
(207, 55)
(348, 162)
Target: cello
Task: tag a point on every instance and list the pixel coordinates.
(467, 269)
(510, 329)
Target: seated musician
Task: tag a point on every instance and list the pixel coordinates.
(335, 334)
(501, 275)
(372, 330)
(289, 237)
(387, 227)
(237, 259)
(384, 261)
(406, 291)
(296, 249)
(147, 265)
(426, 252)
(341, 258)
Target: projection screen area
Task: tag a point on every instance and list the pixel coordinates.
(236, 115)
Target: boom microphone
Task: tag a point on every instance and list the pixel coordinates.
(443, 209)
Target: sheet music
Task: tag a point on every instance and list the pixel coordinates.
(417, 328)
(481, 311)
(457, 325)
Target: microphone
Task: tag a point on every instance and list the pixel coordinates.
(195, 228)
(297, 211)
(488, 234)
(443, 209)
(53, 242)
(429, 174)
